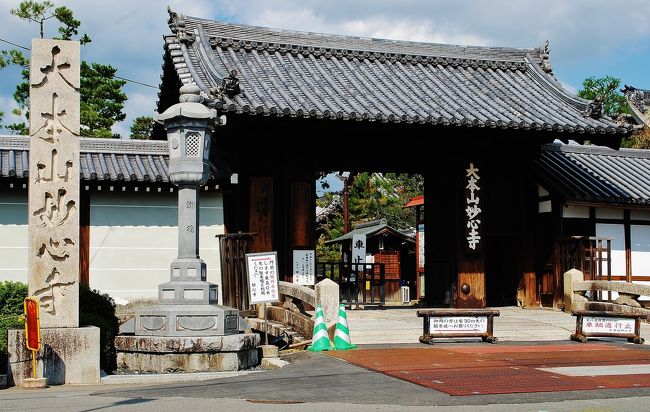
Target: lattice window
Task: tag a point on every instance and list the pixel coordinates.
(192, 143)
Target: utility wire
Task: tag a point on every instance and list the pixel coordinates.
(13, 44)
(117, 77)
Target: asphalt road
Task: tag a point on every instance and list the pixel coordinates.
(311, 382)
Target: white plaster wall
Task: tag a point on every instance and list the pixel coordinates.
(575, 211)
(617, 233)
(13, 236)
(134, 238)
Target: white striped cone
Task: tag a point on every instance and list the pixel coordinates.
(342, 333)
(320, 339)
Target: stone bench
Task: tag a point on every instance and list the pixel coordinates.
(453, 323)
(607, 324)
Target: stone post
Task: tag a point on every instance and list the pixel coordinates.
(69, 354)
(53, 265)
(327, 296)
(570, 277)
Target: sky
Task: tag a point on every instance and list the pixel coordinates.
(587, 37)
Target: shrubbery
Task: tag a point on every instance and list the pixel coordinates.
(12, 295)
(98, 309)
(95, 309)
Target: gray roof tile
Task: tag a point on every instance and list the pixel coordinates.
(100, 159)
(597, 174)
(301, 74)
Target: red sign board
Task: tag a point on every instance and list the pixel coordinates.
(32, 324)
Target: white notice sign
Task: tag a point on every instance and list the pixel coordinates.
(358, 248)
(593, 324)
(304, 267)
(458, 324)
(263, 281)
(420, 245)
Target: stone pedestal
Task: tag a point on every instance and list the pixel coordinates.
(160, 354)
(186, 320)
(68, 355)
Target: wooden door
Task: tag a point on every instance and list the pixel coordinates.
(261, 213)
(474, 297)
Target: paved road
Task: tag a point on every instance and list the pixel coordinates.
(316, 381)
(319, 382)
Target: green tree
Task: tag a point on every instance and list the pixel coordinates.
(372, 196)
(39, 13)
(608, 88)
(142, 127)
(102, 100)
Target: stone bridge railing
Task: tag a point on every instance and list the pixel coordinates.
(583, 295)
(292, 313)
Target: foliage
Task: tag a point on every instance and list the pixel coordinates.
(142, 127)
(12, 295)
(638, 140)
(39, 12)
(372, 196)
(102, 100)
(97, 309)
(606, 87)
(376, 196)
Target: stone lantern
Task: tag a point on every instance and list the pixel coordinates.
(187, 303)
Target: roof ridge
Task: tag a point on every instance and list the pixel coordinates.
(596, 150)
(96, 145)
(261, 38)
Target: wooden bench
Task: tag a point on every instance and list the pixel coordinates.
(607, 324)
(453, 323)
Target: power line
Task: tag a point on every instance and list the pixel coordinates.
(14, 44)
(134, 81)
(117, 77)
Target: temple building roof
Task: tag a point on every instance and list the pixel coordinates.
(101, 160)
(270, 72)
(596, 174)
(639, 102)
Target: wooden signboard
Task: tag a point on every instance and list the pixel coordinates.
(263, 280)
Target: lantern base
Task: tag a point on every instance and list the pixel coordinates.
(67, 356)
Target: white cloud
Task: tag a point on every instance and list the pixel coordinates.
(586, 36)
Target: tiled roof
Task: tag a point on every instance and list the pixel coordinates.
(300, 74)
(597, 174)
(100, 159)
(371, 229)
(639, 101)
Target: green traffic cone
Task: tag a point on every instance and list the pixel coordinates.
(342, 333)
(320, 338)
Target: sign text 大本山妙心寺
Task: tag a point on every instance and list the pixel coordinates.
(472, 209)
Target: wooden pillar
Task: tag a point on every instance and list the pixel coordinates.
(302, 214)
(529, 216)
(261, 213)
(84, 238)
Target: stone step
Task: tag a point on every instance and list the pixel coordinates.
(276, 329)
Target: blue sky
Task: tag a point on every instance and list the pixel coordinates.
(587, 37)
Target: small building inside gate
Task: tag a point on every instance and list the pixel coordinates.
(387, 246)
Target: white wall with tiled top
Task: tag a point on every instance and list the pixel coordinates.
(133, 239)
